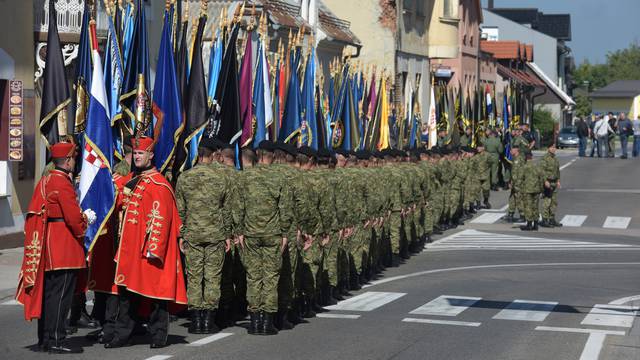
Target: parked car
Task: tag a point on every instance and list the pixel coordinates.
(567, 137)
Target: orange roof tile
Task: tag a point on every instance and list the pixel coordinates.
(502, 49)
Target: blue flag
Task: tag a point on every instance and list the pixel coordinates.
(113, 75)
(309, 126)
(83, 76)
(292, 108)
(507, 131)
(262, 98)
(167, 112)
(96, 184)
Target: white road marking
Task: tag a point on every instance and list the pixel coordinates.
(611, 315)
(11, 302)
(488, 218)
(478, 240)
(594, 343)
(442, 322)
(210, 339)
(494, 266)
(625, 300)
(573, 220)
(337, 316)
(502, 209)
(159, 357)
(446, 305)
(526, 310)
(616, 222)
(366, 302)
(568, 164)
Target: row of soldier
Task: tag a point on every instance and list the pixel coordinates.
(295, 230)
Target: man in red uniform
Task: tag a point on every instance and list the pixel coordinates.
(148, 261)
(53, 252)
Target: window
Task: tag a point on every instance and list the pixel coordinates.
(450, 9)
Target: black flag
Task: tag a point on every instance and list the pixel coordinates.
(55, 93)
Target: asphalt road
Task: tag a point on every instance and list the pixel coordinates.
(484, 291)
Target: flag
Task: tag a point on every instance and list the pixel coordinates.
(196, 108)
(166, 108)
(182, 66)
(262, 98)
(225, 111)
(433, 122)
(113, 76)
(215, 61)
(55, 93)
(246, 94)
(135, 94)
(96, 184)
(507, 131)
(290, 130)
(384, 138)
(308, 125)
(83, 74)
(127, 31)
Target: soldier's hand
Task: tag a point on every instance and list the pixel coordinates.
(181, 245)
(284, 244)
(325, 240)
(546, 184)
(241, 241)
(558, 186)
(227, 245)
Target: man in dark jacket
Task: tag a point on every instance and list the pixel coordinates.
(583, 133)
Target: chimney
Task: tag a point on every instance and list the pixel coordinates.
(490, 4)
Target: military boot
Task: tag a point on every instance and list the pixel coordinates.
(307, 310)
(281, 322)
(508, 218)
(555, 223)
(486, 203)
(527, 227)
(472, 209)
(254, 324)
(266, 327)
(545, 223)
(335, 293)
(534, 226)
(196, 327)
(208, 322)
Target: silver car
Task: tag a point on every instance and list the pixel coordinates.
(567, 137)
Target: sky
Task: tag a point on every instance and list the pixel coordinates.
(597, 26)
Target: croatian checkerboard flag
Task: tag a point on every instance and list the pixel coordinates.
(96, 184)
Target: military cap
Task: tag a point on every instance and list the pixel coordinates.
(143, 143)
(286, 147)
(362, 155)
(63, 150)
(307, 151)
(266, 145)
(209, 143)
(323, 154)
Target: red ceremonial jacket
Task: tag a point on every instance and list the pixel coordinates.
(54, 231)
(102, 267)
(148, 258)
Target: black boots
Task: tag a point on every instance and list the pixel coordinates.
(546, 223)
(208, 322)
(281, 322)
(253, 325)
(508, 218)
(555, 223)
(486, 203)
(196, 327)
(530, 226)
(262, 324)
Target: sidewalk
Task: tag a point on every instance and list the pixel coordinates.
(10, 262)
(624, 347)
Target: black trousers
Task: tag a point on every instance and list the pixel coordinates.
(59, 286)
(105, 310)
(128, 304)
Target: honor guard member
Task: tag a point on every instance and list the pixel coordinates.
(148, 259)
(53, 251)
(494, 148)
(531, 189)
(264, 215)
(550, 168)
(203, 197)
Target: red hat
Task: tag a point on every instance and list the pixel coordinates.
(63, 150)
(143, 143)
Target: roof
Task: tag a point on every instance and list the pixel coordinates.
(502, 49)
(550, 84)
(618, 89)
(335, 27)
(519, 76)
(554, 25)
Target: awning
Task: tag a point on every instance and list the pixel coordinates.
(518, 76)
(566, 99)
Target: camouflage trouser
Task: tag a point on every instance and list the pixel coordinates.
(204, 264)
(263, 261)
(494, 165)
(239, 276)
(485, 189)
(310, 267)
(396, 231)
(531, 206)
(549, 203)
(359, 249)
(453, 202)
(330, 254)
(344, 263)
(428, 212)
(470, 190)
(506, 174)
(289, 282)
(437, 206)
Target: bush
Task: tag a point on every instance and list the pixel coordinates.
(544, 122)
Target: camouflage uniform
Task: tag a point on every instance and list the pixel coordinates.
(483, 174)
(550, 168)
(531, 189)
(265, 215)
(494, 148)
(122, 168)
(516, 200)
(204, 195)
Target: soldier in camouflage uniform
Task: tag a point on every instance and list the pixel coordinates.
(265, 216)
(483, 175)
(550, 168)
(517, 177)
(493, 146)
(124, 166)
(531, 189)
(204, 195)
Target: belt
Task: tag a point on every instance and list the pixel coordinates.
(549, 179)
(52, 220)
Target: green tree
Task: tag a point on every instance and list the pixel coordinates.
(583, 105)
(623, 64)
(544, 122)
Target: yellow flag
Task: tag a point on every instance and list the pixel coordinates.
(383, 142)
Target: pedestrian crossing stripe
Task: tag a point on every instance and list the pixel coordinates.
(446, 305)
(488, 218)
(573, 220)
(616, 222)
(611, 222)
(11, 302)
(478, 240)
(611, 315)
(526, 310)
(367, 301)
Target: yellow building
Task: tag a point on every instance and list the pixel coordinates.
(619, 96)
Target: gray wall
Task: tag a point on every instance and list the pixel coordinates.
(545, 48)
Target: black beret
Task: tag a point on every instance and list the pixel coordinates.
(288, 148)
(308, 151)
(209, 143)
(362, 155)
(266, 145)
(323, 153)
(342, 152)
